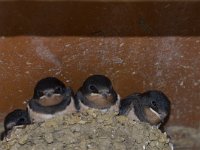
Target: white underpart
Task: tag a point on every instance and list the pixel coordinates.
(10, 125)
(115, 108)
(82, 106)
(158, 126)
(118, 98)
(171, 146)
(44, 96)
(132, 116)
(39, 117)
(95, 94)
(153, 111)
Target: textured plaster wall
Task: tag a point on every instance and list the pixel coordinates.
(139, 45)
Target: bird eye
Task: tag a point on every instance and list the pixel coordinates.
(40, 93)
(58, 90)
(154, 103)
(21, 121)
(93, 89)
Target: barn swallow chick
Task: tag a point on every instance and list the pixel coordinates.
(15, 118)
(151, 106)
(50, 98)
(97, 92)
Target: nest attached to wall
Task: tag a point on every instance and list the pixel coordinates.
(91, 130)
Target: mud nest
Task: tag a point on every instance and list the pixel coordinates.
(88, 130)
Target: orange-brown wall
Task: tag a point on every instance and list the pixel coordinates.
(138, 45)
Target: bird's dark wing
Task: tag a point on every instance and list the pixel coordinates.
(78, 97)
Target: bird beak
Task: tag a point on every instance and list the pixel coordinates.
(105, 95)
(49, 92)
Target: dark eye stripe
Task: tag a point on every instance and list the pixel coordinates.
(58, 89)
(93, 89)
(154, 103)
(40, 93)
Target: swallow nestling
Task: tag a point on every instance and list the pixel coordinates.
(97, 92)
(50, 98)
(151, 106)
(15, 118)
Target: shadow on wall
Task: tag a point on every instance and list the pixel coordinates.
(99, 18)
